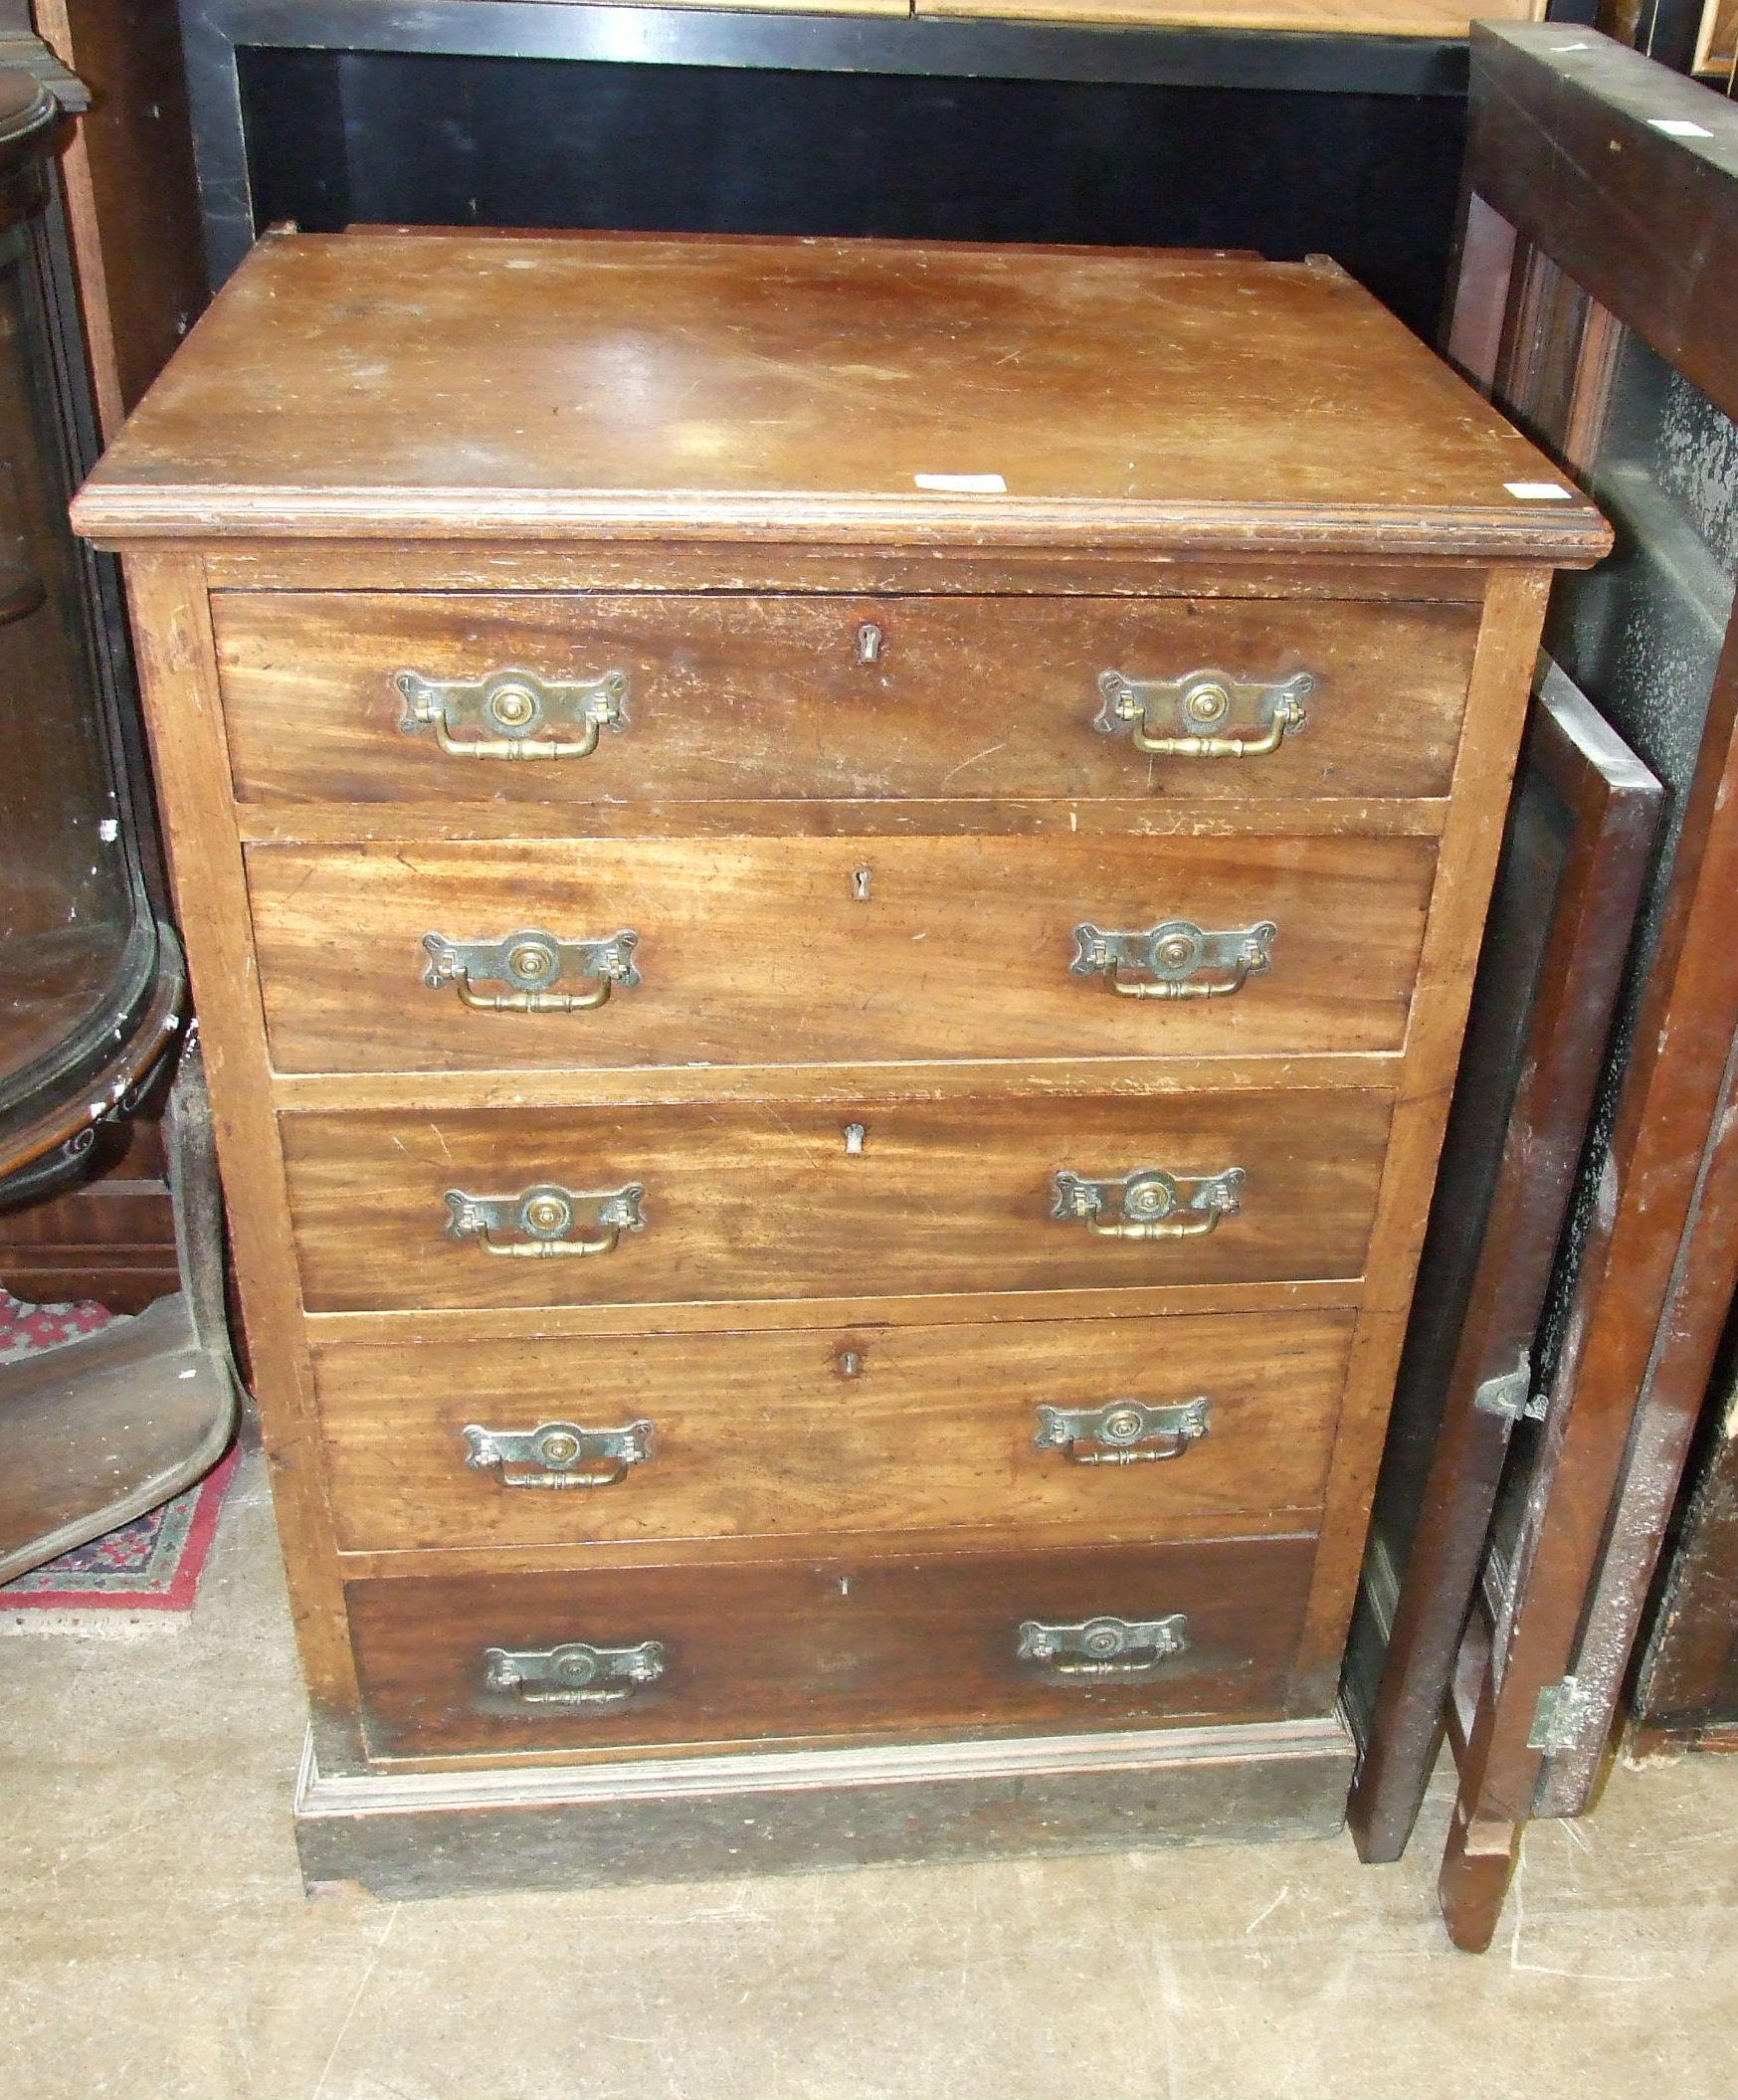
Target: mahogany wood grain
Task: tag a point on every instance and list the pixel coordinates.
(770, 390)
(855, 1647)
(183, 713)
(110, 1237)
(746, 1201)
(834, 950)
(833, 1431)
(743, 698)
(720, 1549)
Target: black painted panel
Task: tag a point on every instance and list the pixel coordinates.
(448, 141)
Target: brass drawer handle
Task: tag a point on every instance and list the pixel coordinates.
(1121, 1432)
(508, 709)
(1199, 706)
(1154, 1204)
(546, 1216)
(531, 963)
(1107, 1648)
(553, 1454)
(1174, 956)
(574, 1674)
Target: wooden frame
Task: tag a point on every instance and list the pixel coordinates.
(1582, 217)
(1500, 1210)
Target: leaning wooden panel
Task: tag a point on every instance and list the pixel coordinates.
(721, 1203)
(433, 958)
(1495, 710)
(1580, 833)
(1128, 1425)
(1554, 123)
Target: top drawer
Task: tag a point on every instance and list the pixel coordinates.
(742, 699)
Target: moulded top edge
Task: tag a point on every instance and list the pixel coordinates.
(1563, 534)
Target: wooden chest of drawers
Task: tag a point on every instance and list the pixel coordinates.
(832, 888)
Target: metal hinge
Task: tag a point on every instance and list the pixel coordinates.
(1561, 1718)
(1510, 1395)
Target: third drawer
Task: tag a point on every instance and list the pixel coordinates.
(718, 1202)
(1122, 1424)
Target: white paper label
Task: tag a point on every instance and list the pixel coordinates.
(962, 484)
(1680, 128)
(1540, 492)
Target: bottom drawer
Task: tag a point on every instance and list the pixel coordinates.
(858, 1647)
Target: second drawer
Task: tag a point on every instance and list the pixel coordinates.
(1121, 1424)
(756, 951)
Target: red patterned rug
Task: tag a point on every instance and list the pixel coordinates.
(152, 1564)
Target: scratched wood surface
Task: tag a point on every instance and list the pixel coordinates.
(835, 950)
(833, 1431)
(744, 697)
(855, 1646)
(749, 389)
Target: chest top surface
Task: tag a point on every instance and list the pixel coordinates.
(432, 385)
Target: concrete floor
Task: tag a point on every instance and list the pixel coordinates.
(157, 1945)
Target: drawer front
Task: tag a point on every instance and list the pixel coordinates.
(750, 699)
(834, 950)
(1128, 1424)
(783, 1199)
(875, 1648)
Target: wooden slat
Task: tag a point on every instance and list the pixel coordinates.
(1564, 146)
